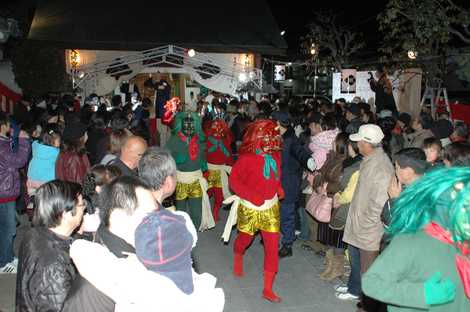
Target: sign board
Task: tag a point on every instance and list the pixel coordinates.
(348, 81)
(279, 72)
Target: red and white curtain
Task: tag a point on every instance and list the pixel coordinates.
(8, 98)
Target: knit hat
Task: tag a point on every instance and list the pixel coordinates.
(74, 130)
(442, 129)
(163, 244)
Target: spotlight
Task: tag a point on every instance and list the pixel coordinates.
(412, 55)
(242, 77)
(283, 33)
(191, 53)
(313, 49)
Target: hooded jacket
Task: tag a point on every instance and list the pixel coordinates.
(10, 162)
(42, 165)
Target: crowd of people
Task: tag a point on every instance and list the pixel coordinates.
(114, 219)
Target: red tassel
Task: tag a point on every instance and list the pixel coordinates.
(193, 148)
(463, 267)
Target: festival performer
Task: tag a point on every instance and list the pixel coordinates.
(187, 146)
(219, 161)
(256, 181)
(427, 264)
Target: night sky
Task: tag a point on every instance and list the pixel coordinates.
(294, 15)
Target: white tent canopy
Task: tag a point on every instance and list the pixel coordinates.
(101, 71)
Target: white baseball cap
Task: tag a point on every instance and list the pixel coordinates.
(369, 133)
(385, 113)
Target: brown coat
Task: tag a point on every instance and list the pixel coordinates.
(364, 227)
(330, 173)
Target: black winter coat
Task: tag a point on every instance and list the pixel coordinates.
(97, 145)
(83, 296)
(294, 159)
(45, 271)
(383, 94)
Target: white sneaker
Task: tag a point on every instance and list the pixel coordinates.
(10, 268)
(341, 288)
(346, 296)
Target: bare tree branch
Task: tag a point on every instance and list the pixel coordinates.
(405, 15)
(454, 31)
(467, 31)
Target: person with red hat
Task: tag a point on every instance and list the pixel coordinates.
(219, 162)
(256, 181)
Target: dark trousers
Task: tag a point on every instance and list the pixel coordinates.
(354, 281)
(7, 232)
(288, 223)
(367, 258)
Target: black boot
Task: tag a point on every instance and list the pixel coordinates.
(285, 251)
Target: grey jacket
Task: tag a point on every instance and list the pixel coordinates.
(364, 228)
(416, 139)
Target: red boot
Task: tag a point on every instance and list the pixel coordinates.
(238, 265)
(218, 199)
(268, 293)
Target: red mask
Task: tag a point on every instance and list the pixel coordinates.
(261, 135)
(270, 139)
(172, 106)
(219, 129)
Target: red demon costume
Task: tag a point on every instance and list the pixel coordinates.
(256, 181)
(219, 161)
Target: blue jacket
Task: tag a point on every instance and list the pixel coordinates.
(42, 165)
(10, 163)
(294, 158)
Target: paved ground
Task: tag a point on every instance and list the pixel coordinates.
(297, 283)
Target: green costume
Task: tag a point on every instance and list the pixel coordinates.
(427, 265)
(187, 146)
(398, 275)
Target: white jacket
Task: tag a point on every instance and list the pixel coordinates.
(134, 288)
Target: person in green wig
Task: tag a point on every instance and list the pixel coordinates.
(187, 146)
(426, 267)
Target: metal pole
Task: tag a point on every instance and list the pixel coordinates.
(315, 81)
